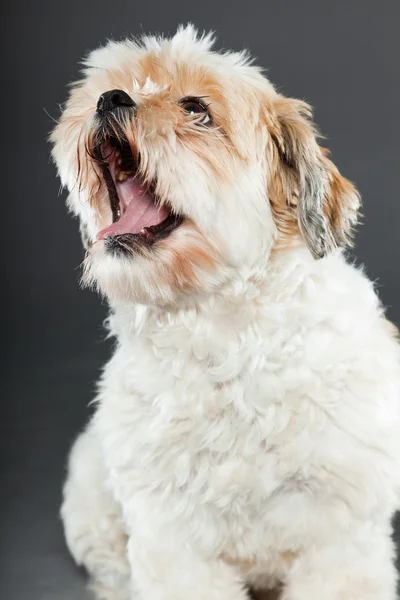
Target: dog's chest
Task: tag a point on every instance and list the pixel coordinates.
(207, 421)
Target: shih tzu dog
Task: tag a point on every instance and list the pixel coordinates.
(247, 431)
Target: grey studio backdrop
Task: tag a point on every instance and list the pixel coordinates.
(341, 56)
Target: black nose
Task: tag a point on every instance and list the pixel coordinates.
(113, 99)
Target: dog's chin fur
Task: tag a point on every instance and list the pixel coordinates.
(247, 428)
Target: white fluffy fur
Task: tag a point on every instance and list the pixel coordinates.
(247, 433)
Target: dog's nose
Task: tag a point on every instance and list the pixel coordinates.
(113, 99)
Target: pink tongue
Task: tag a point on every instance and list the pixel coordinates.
(137, 207)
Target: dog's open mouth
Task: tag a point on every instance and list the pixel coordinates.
(137, 214)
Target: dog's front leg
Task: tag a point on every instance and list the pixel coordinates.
(164, 567)
(358, 565)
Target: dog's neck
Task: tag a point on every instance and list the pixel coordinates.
(234, 306)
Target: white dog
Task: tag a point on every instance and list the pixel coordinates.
(247, 431)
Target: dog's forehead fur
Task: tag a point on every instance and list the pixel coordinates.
(158, 72)
(160, 58)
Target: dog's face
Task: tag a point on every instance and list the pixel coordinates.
(187, 169)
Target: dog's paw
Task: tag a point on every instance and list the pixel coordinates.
(102, 592)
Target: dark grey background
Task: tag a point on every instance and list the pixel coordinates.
(342, 56)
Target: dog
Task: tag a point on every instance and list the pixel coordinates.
(246, 432)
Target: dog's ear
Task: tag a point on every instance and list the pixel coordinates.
(84, 235)
(306, 190)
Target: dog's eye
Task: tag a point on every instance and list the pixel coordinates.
(196, 108)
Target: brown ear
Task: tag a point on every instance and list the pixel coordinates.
(307, 192)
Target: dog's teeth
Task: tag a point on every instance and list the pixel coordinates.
(122, 176)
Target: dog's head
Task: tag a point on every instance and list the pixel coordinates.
(186, 167)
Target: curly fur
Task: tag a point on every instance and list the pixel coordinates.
(247, 425)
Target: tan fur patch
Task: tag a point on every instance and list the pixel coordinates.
(247, 564)
(294, 157)
(242, 564)
(289, 556)
(341, 197)
(187, 258)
